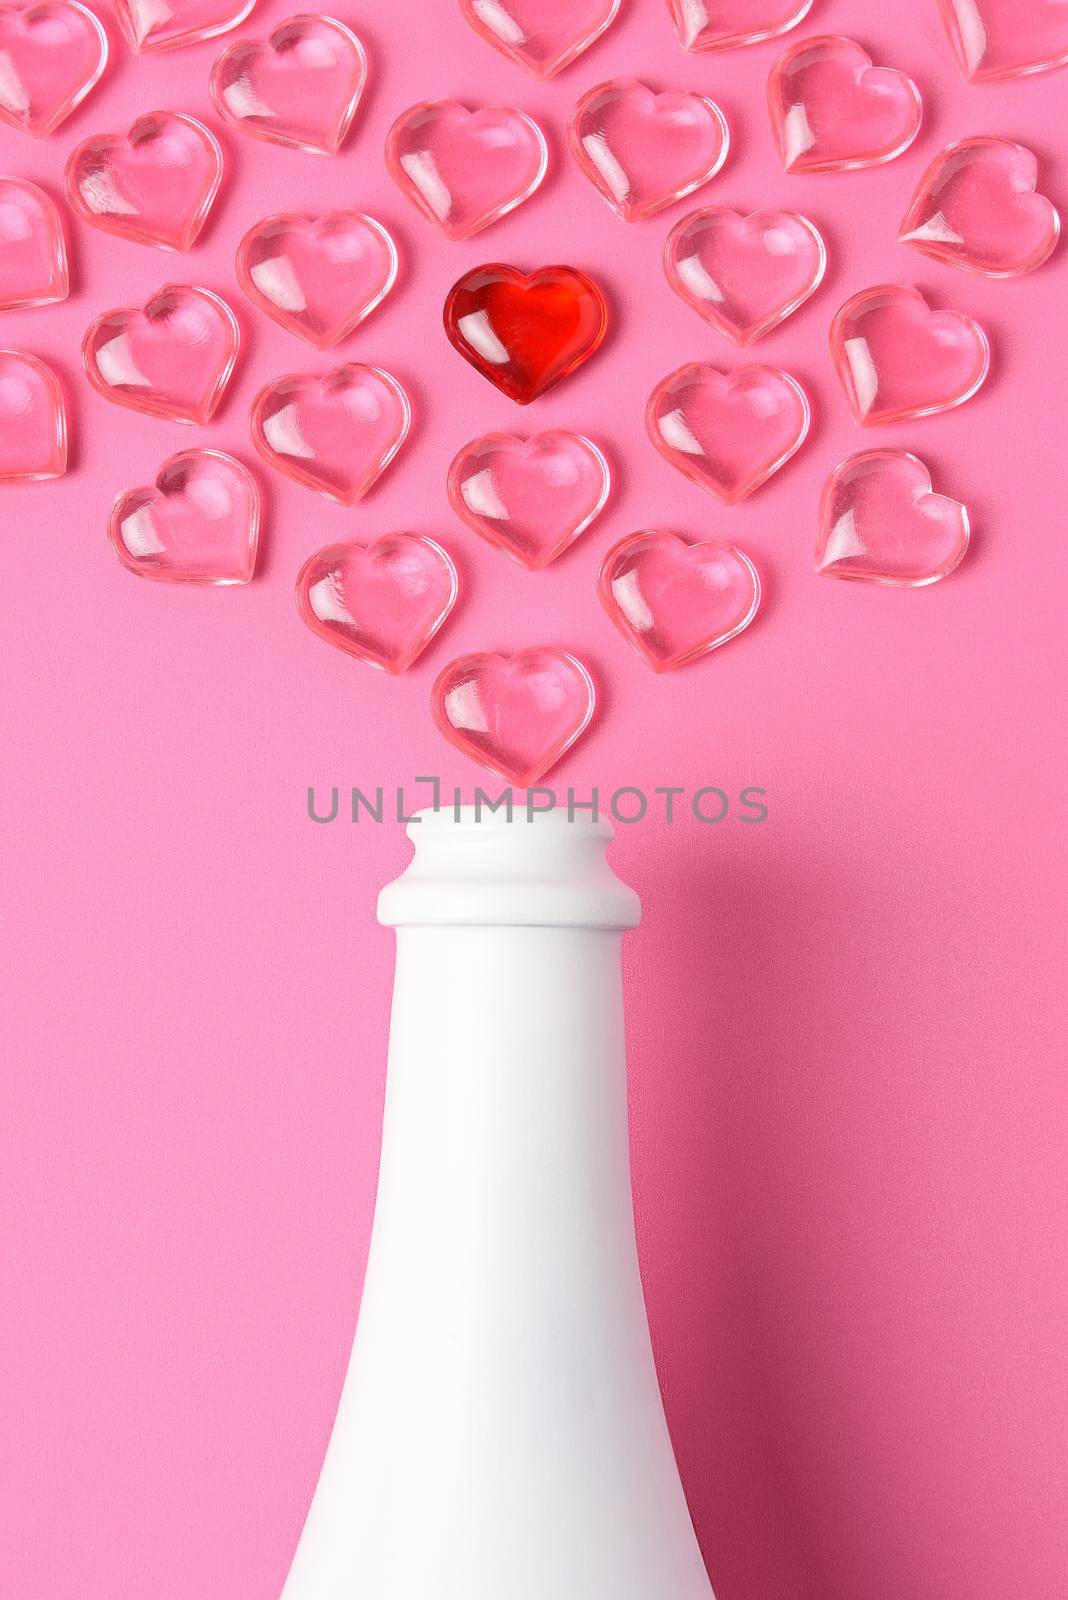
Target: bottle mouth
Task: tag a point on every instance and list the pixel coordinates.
(473, 817)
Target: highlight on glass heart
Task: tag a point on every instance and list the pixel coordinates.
(465, 169)
(530, 498)
(977, 207)
(147, 25)
(198, 523)
(300, 86)
(335, 433)
(525, 331)
(515, 714)
(53, 55)
(726, 24)
(833, 109)
(541, 36)
(33, 247)
(675, 601)
(898, 359)
(172, 359)
(33, 420)
(728, 432)
(317, 277)
(744, 274)
(881, 522)
(155, 184)
(996, 39)
(382, 603)
(641, 150)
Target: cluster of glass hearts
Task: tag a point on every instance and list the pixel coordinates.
(643, 148)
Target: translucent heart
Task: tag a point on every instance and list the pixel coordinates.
(465, 169)
(725, 24)
(525, 331)
(299, 87)
(169, 24)
(831, 109)
(975, 207)
(198, 523)
(531, 498)
(641, 150)
(675, 601)
(52, 53)
(728, 431)
(382, 602)
(899, 359)
(33, 420)
(319, 277)
(33, 250)
(744, 275)
(155, 184)
(542, 36)
(172, 359)
(1006, 38)
(335, 434)
(880, 522)
(515, 714)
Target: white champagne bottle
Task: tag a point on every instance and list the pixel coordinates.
(500, 1434)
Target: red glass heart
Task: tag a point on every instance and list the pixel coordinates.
(525, 331)
(382, 603)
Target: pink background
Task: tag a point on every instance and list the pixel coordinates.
(848, 1102)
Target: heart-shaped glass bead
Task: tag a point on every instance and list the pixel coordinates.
(728, 431)
(172, 359)
(53, 52)
(541, 36)
(976, 208)
(155, 184)
(514, 714)
(33, 420)
(198, 523)
(33, 248)
(643, 151)
(336, 433)
(383, 602)
(726, 24)
(299, 87)
(897, 359)
(525, 331)
(466, 169)
(996, 39)
(880, 522)
(742, 274)
(318, 277)
(531, 498)
(675, 601)
(170, 24)
(832, 109)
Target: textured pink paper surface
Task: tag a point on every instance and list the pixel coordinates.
(846, 1023)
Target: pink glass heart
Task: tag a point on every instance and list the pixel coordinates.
(728, 431)
(643, 151)
(173, 359)
(382, 602)
(542, 36)
(169, 24)
(51, 55)
(198, 523)
(879, 522)
(831, 109)
(33, 420)
(335, 434)
(465, 169)
(515, 714)
(319, 277)
(1006, 38)
(531, 498)
(725, 24)
(898, 359)
(675, 601)
(33, 250)
(155, 184)
(744, 275)
(975, 207)
(299, 87)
